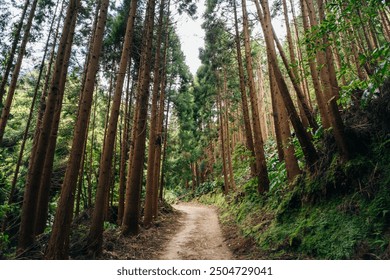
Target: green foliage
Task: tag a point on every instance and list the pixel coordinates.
(108, 226)
(341, 213)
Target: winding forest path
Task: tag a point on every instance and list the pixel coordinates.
(199, 237)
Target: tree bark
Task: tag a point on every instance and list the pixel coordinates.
(308, 148)
(11, 54)
(289, 157)
(151, 180)
(30, 116)
(26, 232)
(125, 147)
(58, 245)
(261, 166)
(244, 99)
(45, 181)
(15, 75)
(95, 237)
(132, 208)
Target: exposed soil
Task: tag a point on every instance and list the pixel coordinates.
(188, 231)
(148, 244)
(199, 237)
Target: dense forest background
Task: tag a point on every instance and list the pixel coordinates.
(288, 134)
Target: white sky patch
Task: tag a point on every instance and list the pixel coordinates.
(191, 36)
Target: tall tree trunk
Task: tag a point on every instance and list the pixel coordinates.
(308, 148)
(307, 116)
(244, 99)
(45, 181)
(329, 71)
(15, 75)
(134, 182)
(322, 107)
(160, 120)
(162, 181)
(223, 144)
(26, 232)
(232, 183)
(151, 186)
(260, 98)
(261, 166)
(90, 169)
(95, 237)
(10, 57)
(294, 68)
(57, 247)
(30, 116)
(125, 147)
(80, 181)
(42, 101)
(292, 167)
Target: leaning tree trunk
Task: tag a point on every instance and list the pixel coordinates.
(289, 157)
(308, 148)
(26, 232)
(261, 165)
(30, 116)
(244, 99)
(11, 54)
(57, 248)
(15, 75)
(45, 182)
(95, 237)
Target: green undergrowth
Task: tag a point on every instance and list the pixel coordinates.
(342, 212)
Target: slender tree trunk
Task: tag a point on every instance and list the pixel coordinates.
(275, 115)
(385, 26)
(11, 54)
(42, 101)
(304, 83)
(223, 145)
(261, 166)
(80, 181)
(125, 148)
(151, 186)
(57, 248)
(26, 232)
(244, 99)
(331, 86)
(45, 181)
(160, 121)
(232, 183)
(308, 148)
(283, 123)
(302, 102)
(261, 105)
(162, 181)
(90, 169)
(95, 237)
(313, 70)
(30, 116)
(134, 182)
(15, 75)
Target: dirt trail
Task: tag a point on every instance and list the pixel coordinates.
(199, 237)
